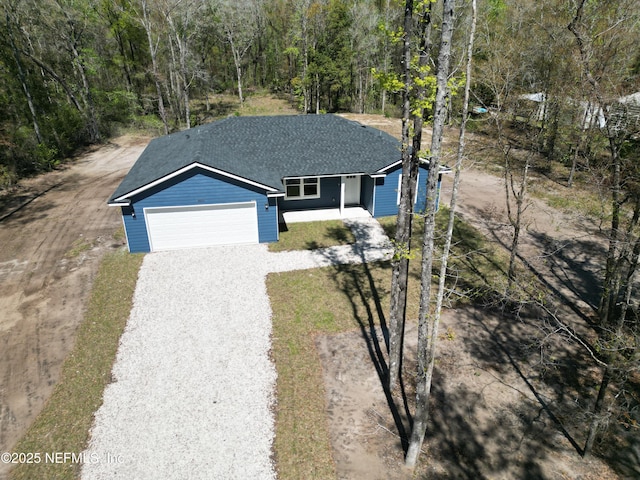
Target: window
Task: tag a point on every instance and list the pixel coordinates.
(302, 188)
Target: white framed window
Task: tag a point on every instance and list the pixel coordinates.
(302, 188)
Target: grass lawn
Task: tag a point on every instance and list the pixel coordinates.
(336, 299)
(307, 303)
(313, 235)
(64, 423)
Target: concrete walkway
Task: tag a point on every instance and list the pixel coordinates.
(193, 383)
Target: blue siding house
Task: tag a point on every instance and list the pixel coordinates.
(231, 181)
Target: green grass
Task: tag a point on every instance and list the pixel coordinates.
(476, 269)
(313, 235)
(64, 423)
(570, 200)
(224, 104)
(306, 303)
(78, 247)
(262, 103)
(337, 299)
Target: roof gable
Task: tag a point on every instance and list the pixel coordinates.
(264, 150)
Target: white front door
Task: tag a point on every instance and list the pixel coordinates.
(351, 189)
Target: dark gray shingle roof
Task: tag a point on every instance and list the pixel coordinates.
(266, 149)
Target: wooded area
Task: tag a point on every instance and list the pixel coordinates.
(553, 83)
(74, 71)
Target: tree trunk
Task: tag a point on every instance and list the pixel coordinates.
(305, 64)
(49, 71)
(400, 269)
(607, 300)
(627, 287)
(181, 43)
(515, 221)
(597, 411)
(73, 43)
(239, 77)
(408, 190)
(385, 56)
(609, 291)
(94, 130)
(23, 81)
(317, 94)
(428, 324)
(146, 23)
(360, 91)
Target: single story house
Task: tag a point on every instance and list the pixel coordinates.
(230, 181)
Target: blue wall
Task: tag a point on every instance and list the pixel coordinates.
(386, 196)
(198, 187)
(329, 197)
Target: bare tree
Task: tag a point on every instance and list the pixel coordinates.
(402, 242)
(182, 18)
(241, 24)
(145, 18)
(21, 74)
(618, 339)
(427, 322)
(516, 199)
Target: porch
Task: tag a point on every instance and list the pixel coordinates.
(321, 214)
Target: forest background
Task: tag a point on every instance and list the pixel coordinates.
(74, 72)
(554, 83)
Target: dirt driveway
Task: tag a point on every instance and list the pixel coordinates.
(53, 232)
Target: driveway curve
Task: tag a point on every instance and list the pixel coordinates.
(193, 385)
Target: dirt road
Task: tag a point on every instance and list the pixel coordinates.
(52, 236)
(487, 420)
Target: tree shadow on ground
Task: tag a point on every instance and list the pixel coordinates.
(574, 265)
(555, 383)
(339, 235)
(552, 363)
(567, 268)
(558, 377)
(11, 206)
(621, 445)
(362, 289)
(471, 441)
(359, 286)
(485, 422)
(218, 108)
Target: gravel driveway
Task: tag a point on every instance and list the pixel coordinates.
(193, 385)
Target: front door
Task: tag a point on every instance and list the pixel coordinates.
(351, 189)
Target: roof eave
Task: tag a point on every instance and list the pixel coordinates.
(384, 170)
(123, 199)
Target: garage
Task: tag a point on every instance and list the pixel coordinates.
(171, 228)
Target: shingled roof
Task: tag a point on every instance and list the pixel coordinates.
(264, 150)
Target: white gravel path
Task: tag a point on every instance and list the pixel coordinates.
(193, 385)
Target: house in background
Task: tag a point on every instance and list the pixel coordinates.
(236, 180)
(623, 113)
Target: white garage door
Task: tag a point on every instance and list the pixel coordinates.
(172, 228)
